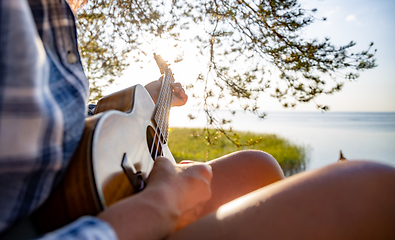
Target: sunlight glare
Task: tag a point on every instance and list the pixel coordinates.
(232, 206)
(168, 48)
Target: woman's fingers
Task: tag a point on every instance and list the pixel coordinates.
(188, 183)
(179, 95)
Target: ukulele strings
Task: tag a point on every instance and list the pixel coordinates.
(159, 127)
(163, 119)
(168, 99)
(164, 108)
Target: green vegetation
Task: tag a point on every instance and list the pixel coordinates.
(190, 144)
(247, 50)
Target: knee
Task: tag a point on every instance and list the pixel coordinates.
(262, 162)
(253, 165)
(367, 169)
(370, 185)
(372, 176)
(371, 171)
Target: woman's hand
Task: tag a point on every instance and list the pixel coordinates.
(188, 184)
(172, 199)
(179, 95)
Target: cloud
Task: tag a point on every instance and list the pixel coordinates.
(350, 18)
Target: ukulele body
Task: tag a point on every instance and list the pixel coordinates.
(116, 141)
(127, 135)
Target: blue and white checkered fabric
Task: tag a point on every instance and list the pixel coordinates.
(85, 228)
(43, 92)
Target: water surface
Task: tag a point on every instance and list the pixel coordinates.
(366, 136)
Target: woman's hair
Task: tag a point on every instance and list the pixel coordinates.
(75, 5)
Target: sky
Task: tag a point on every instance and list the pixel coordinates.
(364, 22)
(359, 20)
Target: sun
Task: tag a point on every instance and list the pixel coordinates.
(169, 49)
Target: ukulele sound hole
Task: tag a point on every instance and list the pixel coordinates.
(154, 140)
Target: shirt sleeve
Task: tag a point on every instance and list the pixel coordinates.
(42, 111)
(85, 228)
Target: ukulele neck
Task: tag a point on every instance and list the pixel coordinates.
(163, 105)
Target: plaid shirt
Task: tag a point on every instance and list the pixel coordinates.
(43, 92)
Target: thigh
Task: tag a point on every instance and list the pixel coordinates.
(353, 200)
(239, 173)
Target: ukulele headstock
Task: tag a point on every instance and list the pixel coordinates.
(162, 64)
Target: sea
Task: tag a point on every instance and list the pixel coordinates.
(359, 135)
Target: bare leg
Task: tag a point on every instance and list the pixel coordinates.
(352, 200)
(239, 173)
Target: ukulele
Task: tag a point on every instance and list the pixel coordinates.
(115, 156)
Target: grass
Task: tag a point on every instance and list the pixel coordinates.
(190, 144)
